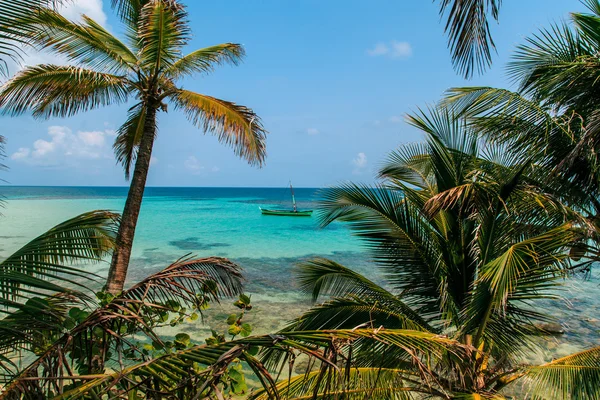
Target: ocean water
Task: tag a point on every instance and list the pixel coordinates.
(227, 222)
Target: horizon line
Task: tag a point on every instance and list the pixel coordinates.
(166, 187)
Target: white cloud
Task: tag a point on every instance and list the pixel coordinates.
(380, 49)
(360, 163)
(20, 154)
(94, 138)
(215, 169)
(312, 131)
(395, 119)
(193, 165)
(401, 49)
(65, 148)
(153, 160)
(73, 10)
(393, 49)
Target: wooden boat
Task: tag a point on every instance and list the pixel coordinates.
(294, 212)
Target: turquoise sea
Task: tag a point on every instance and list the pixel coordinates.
(227, 222)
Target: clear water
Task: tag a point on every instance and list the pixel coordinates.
(227, 222)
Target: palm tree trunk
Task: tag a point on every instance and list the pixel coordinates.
(122, 253)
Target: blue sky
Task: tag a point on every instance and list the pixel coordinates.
(331, 80)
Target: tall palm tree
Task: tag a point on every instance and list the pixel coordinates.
(108, 71)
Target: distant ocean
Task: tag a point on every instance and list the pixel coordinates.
(227, 222)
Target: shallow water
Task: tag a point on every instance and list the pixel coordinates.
(226, 222)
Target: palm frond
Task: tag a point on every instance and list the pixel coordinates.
(10, 35)
(409, 165)
(173, 372)
(162, 32)
(355, 383)
(129, 136)
(129, 10)
(557, 67)
(573, 377)
(352, 311)
(31, 326)
(400, 238)
(234, 125)
(86, 238)
(50, 90)
(530, 266)
(560, 145)
(356, 300)
(186, 283)
(204, 60)
(86, 43)
(323, 277)
(468, 30)
(187, 277)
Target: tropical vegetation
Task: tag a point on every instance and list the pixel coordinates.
(470, 230)
(552, 118)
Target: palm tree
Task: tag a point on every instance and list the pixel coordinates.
(553, 118)
(466, 243)
(107, 71)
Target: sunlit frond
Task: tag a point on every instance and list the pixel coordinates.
(573, 377)
(10, 33)
(355, 383)
(172, 372)
(233, 124)
(162, 32)
(86, 43)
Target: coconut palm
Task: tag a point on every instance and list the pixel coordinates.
(146, 67)
(553, 117)
(467, 245)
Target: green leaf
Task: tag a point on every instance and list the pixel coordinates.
(246, 330)
(234, 330)
(231, 319)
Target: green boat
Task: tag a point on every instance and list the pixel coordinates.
(288, 213)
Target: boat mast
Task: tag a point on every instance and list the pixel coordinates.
(293, 197)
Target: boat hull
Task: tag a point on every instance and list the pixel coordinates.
(287, 213)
